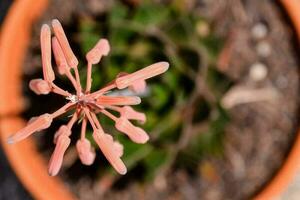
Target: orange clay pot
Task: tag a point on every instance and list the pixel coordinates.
(24, 158)
(27, 163)
(291, 166)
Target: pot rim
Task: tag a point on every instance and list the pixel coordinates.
(279, 183)
(28, 164)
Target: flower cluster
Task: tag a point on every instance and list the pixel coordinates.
(87, 104)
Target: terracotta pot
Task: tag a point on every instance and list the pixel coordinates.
(27, 163)
(24, 158)
(291, 165)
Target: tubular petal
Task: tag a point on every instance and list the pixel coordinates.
(85, 151)
(46, 53)
(37, 124)
(39, 86)
(143, 74)
(136, 134)
(59, 57)
(56, 159)
(106, 143)
(63, 41)
(118, 100)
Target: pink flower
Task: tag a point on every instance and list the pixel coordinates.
(138, 86)
(102, 48)
(143, 74)
(63, 130)
(85, 151)
(56, 159)
(37, 124)
(129, 113)
(87, 104)
(136, 134)
(110, 150)
(39, 86)
(59, 57)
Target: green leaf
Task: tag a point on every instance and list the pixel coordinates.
(201, 111)
(120, 37)
(88, 35)
(152, 119)
(112, 71)
(133, 153)
(213, 45)
(89, 136)
(117, 13)
(217, 81)
(139, 49)
(107, 122)
(178, 34)
(151, 14)
(163, 126)
(159, 96)
(154, 162)
(171, 79)
(97, 77)
(211, 142)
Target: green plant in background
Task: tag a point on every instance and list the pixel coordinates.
(184, 117)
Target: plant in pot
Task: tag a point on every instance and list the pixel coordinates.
(186, 115)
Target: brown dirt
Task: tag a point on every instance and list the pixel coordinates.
(260, 134)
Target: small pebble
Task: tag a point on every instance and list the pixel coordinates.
(258, 71)
(263, 49)
(160, 182)
(202, 29)
(259, 31)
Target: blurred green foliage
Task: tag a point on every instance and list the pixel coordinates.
(150, 32)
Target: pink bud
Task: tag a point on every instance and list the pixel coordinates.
(101, 49)
(138, 86)
(59, 57)
(129, 113)
(46, 53)
(32, 119)
(39, 86)
(136, 134)
(56, 159)
(106, 144)
(63, 130)
(143, 74)
(63, 41)
(37, 124)
(85, 151)
(118, 100)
